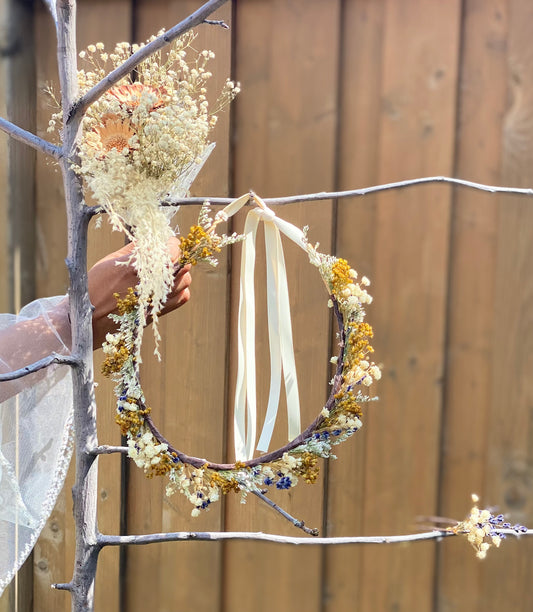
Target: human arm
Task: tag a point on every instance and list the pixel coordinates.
(43, 327)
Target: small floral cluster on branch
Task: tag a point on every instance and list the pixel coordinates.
(484, 530)
(202, 243)
(203, 482)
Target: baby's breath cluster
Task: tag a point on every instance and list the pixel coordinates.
(202, 485)
(142, 142)
(484, 530)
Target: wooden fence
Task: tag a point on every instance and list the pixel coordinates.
(336, 94)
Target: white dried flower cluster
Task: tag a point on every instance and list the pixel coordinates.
(145, 450)
(141, 143)
(483, 529)
(191, 483)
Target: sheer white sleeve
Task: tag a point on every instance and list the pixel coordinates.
(35, 427)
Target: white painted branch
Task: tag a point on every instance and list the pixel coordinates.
(39, 365)
(30, 139)
(132, 62)
(105, 449)
(85, 488)
(294, 521)
(217, 536)
(350, 193)
(180, 536)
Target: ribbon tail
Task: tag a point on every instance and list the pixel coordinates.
(271, 247)
(287, 348)
(245, 417)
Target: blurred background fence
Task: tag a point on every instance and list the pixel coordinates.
(336, 94)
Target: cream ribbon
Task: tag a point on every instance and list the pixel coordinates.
(279, 331)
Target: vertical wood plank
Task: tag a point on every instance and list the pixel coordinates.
(406, 257)
(287, 62)
(473, 289)
(4, 174)
(497, 345)
(55, 550)
(18, 180)
(186, 390)
(358, 165)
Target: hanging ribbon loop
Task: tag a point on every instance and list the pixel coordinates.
(282, 363)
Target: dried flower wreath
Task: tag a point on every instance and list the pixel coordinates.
(143, 142)
(202, 481)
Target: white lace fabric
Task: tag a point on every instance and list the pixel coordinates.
(35, 429)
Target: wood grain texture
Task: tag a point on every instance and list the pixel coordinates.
(285, 126)
(186, 390)
(473, 288)
(413, 49)
(17, 286)
(361, 59)
(509, 471)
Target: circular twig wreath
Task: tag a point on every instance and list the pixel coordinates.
(201, 480)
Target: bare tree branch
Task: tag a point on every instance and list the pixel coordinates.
(110, 540)
(336, 195)
(106, 449)
(39, 365)
(84, 492)
(285, 514)
(130, 64)
(30, 139)
(62, 586)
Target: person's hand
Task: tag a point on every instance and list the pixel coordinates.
(106, 278)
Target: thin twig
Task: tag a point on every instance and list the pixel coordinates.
(336, 195)
(143, 53)
(39, 365)
(30, 139)
(51, 5)
(62, 586)
(284, 514)
(106, 449)
(216, 536)
(218, 22)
